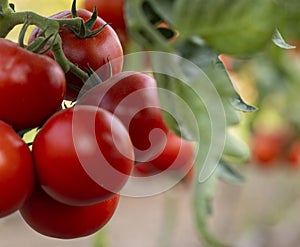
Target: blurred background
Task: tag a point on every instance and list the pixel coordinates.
(263, 211)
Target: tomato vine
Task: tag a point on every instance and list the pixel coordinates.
(184, 45)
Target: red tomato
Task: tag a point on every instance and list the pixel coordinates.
(132, 97)
(16, 171)
(267, 148)
(32, 86)
(54, 219)
(294, 154)
(94, 52)
(83, 155)
(145, 170)
(188, 178)
(178, 154)
(112, 12)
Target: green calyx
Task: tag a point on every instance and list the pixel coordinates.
(84, 31)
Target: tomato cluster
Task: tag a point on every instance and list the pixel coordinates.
(275, 148)
(67, 182)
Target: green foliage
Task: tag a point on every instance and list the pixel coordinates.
(239, 27)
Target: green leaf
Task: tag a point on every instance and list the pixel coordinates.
(235, 150)
(162, 8)
(141, 28)
(1, 11)
(229, 174)
(240, 105)
(235, 27)
(280, 42)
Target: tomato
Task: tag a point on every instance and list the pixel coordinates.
(177, 158)
(187, 180)
(132, 97)
(112, 12)
(54, 219)
(93, 52)
(83, 155)
(32, 86)
(178, 154)
(16, 171)
(268, 147)
(145, 170)
(294, 154)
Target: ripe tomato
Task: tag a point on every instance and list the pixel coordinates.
(294, 154)
(267, 148)
(54, 219)
(94, 52)
(132, 97)
(83, 155)
(32, 86)
(178, 154)
(112, 12)
(16, 171)
(145, 170)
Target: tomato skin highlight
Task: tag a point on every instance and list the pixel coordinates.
(132, 97)
(67, 153)
(16, 171)
(93, 52)
(32, 86)
(57, 220)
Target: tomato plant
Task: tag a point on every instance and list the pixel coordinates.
(32, 86)
(92, 160)
(101, 51)
(132, 97)
(16, 171)
(54, 219)
(84, 155)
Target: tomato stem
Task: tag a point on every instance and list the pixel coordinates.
(9, 19)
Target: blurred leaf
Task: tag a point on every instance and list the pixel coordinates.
(203, 195)
(162, 8)
(240, 105)
(235, 150)
(229, 174)
(234, 27)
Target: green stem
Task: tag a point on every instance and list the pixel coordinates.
(10, 19)
(203, 193)
(169, 218)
